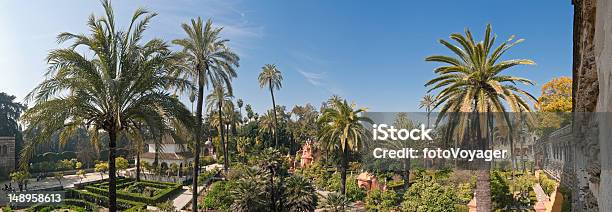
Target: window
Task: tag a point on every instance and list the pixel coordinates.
(4, 150)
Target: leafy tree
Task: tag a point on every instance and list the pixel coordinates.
(58, 176)
(556, 95)
(209, 60)
(473, 82)
(82, 174)
(121, 163)
(341, 129)
(272, 78)
(9, 114)
(101, 167)
(106, 81)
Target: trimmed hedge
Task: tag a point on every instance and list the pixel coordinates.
(74, 204)
(166, 191)
(122, 204)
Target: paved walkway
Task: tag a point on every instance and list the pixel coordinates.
(68, 181)
(540, 195)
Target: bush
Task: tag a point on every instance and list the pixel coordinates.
(427, 195)
(378, 200)
(353, 191)
(219, 196)
(548, 185)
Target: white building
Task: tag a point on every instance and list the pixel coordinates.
(170, 152)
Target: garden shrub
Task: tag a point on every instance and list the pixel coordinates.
(427, 195)
(219, 196)
(378, 200)
(548, 185)
(353, 191)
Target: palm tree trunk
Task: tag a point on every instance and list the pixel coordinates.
(344, 167)
(274, 113)
(483, 177)
(198, 134)
(137, 166)
(225, 156)
(112, 180)
(406, 165)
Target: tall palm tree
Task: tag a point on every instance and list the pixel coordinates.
(240, 103)
(118, 81)
(474, 81)
(208, 60)
(341, 126)
(428, 103)
(272, 78)
(215, 100)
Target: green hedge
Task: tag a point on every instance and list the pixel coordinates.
(122, 204)
(73, 204)
(163, 195)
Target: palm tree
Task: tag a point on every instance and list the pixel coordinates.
(473, 81)
(266, 124)
(116, 82)
(428, 103)
(249, 194)
(272, 78)
(341, 127)
(240, 103)
(300, 195)
(208, 59)
(217, 98)
(336, 202)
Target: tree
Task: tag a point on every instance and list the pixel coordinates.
(215, 100)
(240, 103)
(121, 163)
(300, 195)
(556, 95)
(58, 176)
(113, 81)
(9, 115)
(208, 60)
(473, 82)
(341, 126)
(82, 174)
(101, 167)
(272, 78)
(428, 103)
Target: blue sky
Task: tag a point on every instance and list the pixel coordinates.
(370, 52)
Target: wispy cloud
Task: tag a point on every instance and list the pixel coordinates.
(315, 79)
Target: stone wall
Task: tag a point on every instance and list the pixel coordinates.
(592, 90)
(7, 154)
